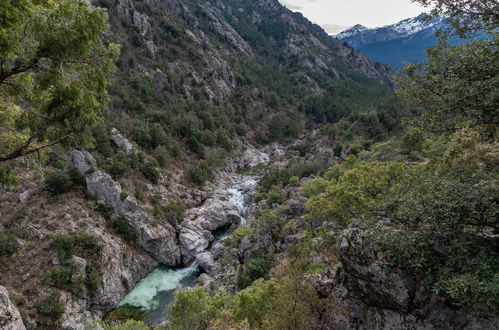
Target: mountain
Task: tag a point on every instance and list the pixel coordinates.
(397, 44)
(198, 83)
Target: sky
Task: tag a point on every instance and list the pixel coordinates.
(335, 16)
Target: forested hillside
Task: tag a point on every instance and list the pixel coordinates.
(234, 148)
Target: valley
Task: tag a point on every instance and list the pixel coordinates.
(226, 164)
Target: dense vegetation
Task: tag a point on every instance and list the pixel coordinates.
(427, 187)
(420, 168)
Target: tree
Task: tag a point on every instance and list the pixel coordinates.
(466, 15)
(459, 83)
(456, 84)
(54, 72)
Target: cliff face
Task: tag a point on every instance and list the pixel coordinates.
(215, 32)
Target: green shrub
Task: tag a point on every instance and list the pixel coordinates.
(254, 269)
(123, 313)
(162, 156)
(199, 173)
(412, 141)
(175, 211)
(294, 180)
(150, 171)
(124, 229)
(8, 244)
(58, 183)
(51, 306)
(76, 177)
(65, 277)
(105, 209)
(237, 236)
(75, 243)
(118, 169)
(275, 197)
(338, 149)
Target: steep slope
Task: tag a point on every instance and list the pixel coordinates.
(242, 60)
(197, 82)
(397, 44)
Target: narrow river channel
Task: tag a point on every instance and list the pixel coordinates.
(154, 293)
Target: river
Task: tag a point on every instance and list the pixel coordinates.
(154, 293)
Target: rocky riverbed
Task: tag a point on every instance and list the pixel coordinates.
(204, 228)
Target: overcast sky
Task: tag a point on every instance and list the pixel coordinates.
(337, 15)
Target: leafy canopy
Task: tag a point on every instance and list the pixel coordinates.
(54, 73)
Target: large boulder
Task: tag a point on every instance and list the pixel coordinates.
(82, 161)
(159, 241)
(215, 214)
(367, 294)
(387, 288)
(193, 240)
(10, 319)
(104, 188)
(121, 141)
(206, 262)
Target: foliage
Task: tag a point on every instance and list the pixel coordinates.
(128, 325)
(124, 313)
(237, 235)
(51, 306)
(199, 172)
(58, 183)
(66, 275)
(175, 211)
(150, 171)
(75, 243)
(456, 83)
(195, 309)
(8, 244)
(466, 16)
(254, 269)
(355, 190)
(52, 83)
(123, 228)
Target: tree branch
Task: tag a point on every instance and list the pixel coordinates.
(20, 153)
(18, 69)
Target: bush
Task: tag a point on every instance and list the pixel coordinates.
(105, 209)
(199, 173)
(51, 306)
(124, 313)
(275, 197)
(58, 183)
(8, 244)
(254, 269)
(75, 243)
(76, 177)
(118, 169)
(175, 211)
(150, 171)
(162, 156)
(123, 229)
(66, 278)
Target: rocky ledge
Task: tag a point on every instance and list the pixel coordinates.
(366, 294)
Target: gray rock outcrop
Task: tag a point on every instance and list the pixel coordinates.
(10, 319)
(82, 161)
(370, 295)
(157, 239)
(121, 141)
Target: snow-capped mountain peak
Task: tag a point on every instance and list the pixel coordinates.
(414, 25)
(351, 31)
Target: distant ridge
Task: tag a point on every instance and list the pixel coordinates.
(396, 44)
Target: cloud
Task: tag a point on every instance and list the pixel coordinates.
(334, 29)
